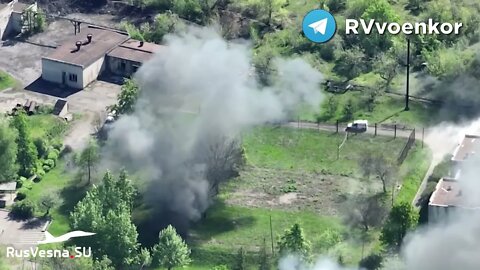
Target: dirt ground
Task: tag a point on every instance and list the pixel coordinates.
(293, 190)
(23, 61)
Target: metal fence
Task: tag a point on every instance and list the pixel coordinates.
(407, 147)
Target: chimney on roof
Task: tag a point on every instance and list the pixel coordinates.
(141, 44)
(89, 38)
(78, 44)
(449, 188)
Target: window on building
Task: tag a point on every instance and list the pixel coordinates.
(72, 77)
(123, 66)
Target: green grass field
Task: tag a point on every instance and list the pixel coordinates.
(311, 150)
(6, 81)
(413, 171)
(59, 183)
(46, 125)
(216, 239)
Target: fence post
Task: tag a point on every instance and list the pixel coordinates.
(337, 126)
(395, 131)
(375, 129)
(423, 135)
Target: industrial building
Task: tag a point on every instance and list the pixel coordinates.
(11, 17)
(448, 195)
(84, 57)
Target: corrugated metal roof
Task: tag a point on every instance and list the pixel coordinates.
(133, 50)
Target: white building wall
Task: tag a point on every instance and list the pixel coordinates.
(92, 72)
(52, 71)
(4, 20)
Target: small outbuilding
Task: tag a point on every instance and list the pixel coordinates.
(61, 108)
(81, 59)
(7, 188)
(125, 59)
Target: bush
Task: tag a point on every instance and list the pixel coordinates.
(42, 147)
(371, 262)
(20, 182)
(21, 196)
(57, 145)
(40, 175)
(23, 210)
(46, 168)
(53, 155)
(50, 163)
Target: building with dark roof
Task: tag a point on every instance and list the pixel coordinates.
(82, 58)
(125, 59)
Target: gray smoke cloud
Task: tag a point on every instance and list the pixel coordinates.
(196, 89)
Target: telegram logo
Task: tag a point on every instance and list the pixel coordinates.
(319, 26)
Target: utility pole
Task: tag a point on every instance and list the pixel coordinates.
(407, 95)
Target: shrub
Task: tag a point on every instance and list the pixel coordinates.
(53, 156)
(27, 185)
(40, 175)
(23, 209)
(21, 196)
(371, 262)
(57, 145)
(20, 182)
(42, 147)
(46, 168)
(50, 163)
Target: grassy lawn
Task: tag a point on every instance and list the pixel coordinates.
(6, 81)
(388, 109)
(59, 183)
(216, 239)
(413, 170)
(313, 151)
(46, 125)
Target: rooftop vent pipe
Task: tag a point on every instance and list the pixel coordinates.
(141, 44)
(89, 38)
(78, 44)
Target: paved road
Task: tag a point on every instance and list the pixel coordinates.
(20, 234)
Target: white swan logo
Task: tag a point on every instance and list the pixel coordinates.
(52, 239)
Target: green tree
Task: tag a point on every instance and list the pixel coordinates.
(401, 219)
(144, 258)
(329, 238)
(189, 9)
(294, 242)
(105, 211)
(265, 263)
(23, 210)
(27, 155)
(380, 11)
(348, 109)
(371, 262)
(127, 98)
(378, 165)
(171, 251)
(350, 63)
(240, 263)
(42, 147)
(387, 67)
(8, 158)
(47, 202)
(89, 159)
(220, 267)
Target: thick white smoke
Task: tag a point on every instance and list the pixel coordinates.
(199, 87)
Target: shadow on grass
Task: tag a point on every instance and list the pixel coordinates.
(71, 195)
(217, 219)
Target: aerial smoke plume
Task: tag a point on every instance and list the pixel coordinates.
(198, 90)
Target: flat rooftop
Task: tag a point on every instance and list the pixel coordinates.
(134, 50)
(447, 193)
(466, 148)
(103, 41)
(20, 7)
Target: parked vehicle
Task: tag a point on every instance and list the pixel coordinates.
(358, 126)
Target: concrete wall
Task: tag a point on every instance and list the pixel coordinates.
(115, 66)
(52, 71)
(92, 72)
(4, 20)
(437, 213)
